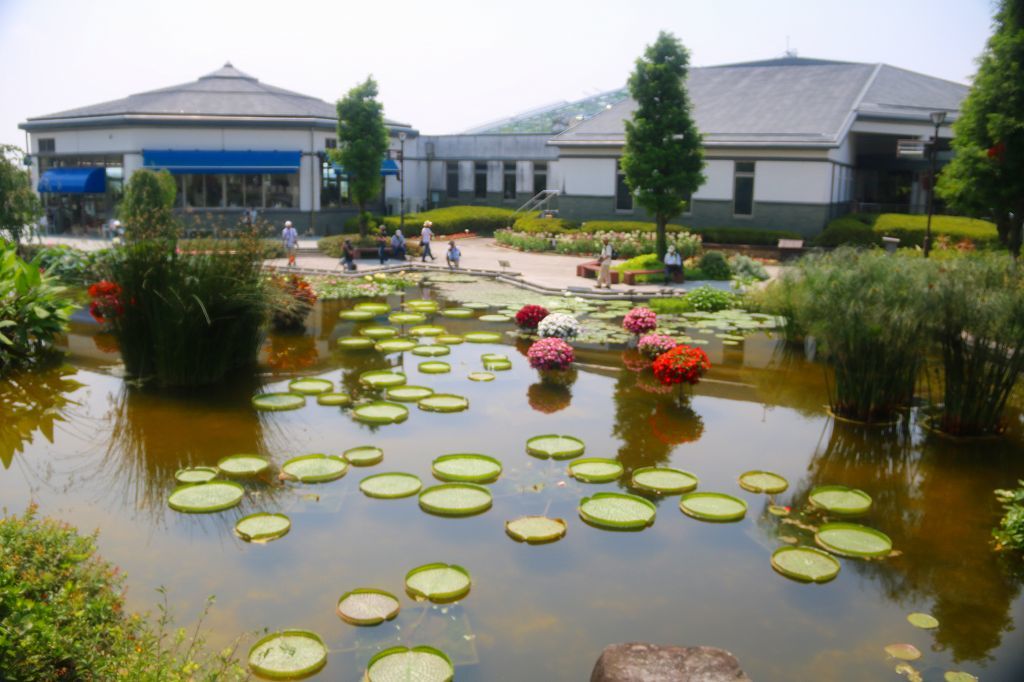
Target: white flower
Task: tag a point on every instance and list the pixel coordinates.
(559, 325)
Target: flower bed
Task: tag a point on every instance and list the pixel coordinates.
(627, 244)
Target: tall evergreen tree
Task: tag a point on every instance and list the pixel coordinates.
(986, 176)
(663, 158)
(362, 144)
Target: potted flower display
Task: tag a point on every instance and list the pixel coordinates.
(529, 316)
(640, 321)
(559, 326)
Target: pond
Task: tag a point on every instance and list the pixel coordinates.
(102, 453)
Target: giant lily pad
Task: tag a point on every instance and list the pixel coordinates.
(357, 315)
(713, 506)
(310, 386)
(435, 350)
(421, 305)
(903, 652)
(334, 399)
(595, 469)
(456, 499)
(470, 468)
(367, 606)
(450, 339)
(382, 378)
(395, 345)
(438, 582)
(426, 330)
(381, 412)
(535, 530)
(378, 332)
(203, 498)
(407, 318)
(434, 367)
(390, 486)
(377, 308)
(476, 305)
(409, 394)
(925, 621)
(276, 402)
(763, 482)
(853, 540)
(482, 337)
(805, 564)
(355, 343)
(958, 676)
(457, 313)
(444, 402)
(555, 446)
(288, 655)
(497, 365)
(480, 376)
(364, 455)
(617, 511)
(316, 468)
(494, 317)
(664, 480)
(262, 527)
(421, 663)
(493, 357)
(838, 499)
(243, 465)
(195, 474)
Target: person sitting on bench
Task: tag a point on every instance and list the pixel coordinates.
(673, 264)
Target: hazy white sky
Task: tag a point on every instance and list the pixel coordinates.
(444, 65)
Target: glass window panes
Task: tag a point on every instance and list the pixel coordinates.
(235, 191)
(623, 197)
(283, 191)
(540, 176)
(452, 178)
(47, 144)
(509, 184)
(330, 186)
(214, 190)
(480, 179)
(195, 194)
(743, 188)
(253, 190)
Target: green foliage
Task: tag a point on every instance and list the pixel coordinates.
(268, 248)
(535, 224)
(333, 245)
(746, 268)
(1010, 532)
(452, 219)
(362, 143)
(67, 264)
(704, 298)
(147, 208)
(714, 265)
(663, 156)
(19, 205)
(648, 261)
(627, 244)
(850, 230)
(32, 403)
(866, 229)
(626, 226)
(380, 284)
(743, 235)
(352, 222)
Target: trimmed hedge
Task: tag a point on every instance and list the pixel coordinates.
(332, 246)
(451, 219)
(537, 225)
(269, 248)
(849, 229)
(626, 226)
(865, 229)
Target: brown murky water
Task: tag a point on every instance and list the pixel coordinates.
(102, 454)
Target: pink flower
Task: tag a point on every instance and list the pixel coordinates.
(640, 320)
(550, 353)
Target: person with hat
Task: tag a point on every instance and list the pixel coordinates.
(291, 241)
(426, 234)
(673, 264)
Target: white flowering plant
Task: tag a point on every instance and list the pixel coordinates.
(559, 326)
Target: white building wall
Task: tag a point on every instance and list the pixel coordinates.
(587, 176)
(799, 182)
(718, 185)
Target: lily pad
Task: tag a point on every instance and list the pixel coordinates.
(243, 465)
(310, 386)
(381, 412)
(288, 655)
(805, 564)
(367, 606)
(195, 474)
(407, 318)
(334, 399)
(203, 498)
(276, 402)
(480, 376)
(853, 540)
(535, 530)
(355, 343)
(444, 402)
(390, 486)
(482, 337)
(450, 339)
(903, 652)
(409, 394)
(378, 308)
(432, 350)
(664, 480)
(316, 468)
(713, 506)
(456, 499)
(357, 315)
(457, 313)
(763, 482)
(498, 365)
(838, 499)
(396, 345)
(491, 357)
(959, 676)
(434, 367)
(595, 469)
(378, 332)
(617, 511)
(421, 305)
(470, 468)
(555, 446)
(925, 621)
(421, 663)
(494, 317)
(364, 455)
(426, 330)
(477, 305)
(262, 527)
(382, 378)
(438, 582)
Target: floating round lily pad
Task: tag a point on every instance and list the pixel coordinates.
(470, 468)
(382, 378)
(617, 511)
(480, 376)
(491, 357)
(368, 606)
(494, 317)
(357, 315)
(316, 468)
(426, 330)
(457, 313)
(434, 367)
(535, 530)
(195, 474)
(438, 582)
(838, 499)
(497, 365)
(355, 343)
(595, 469)
(444, 402)
(959, 676)
(476, 305)
(450, 339)
(664, 480)
(378, 332)
(390, 486)
(334, 399)
(364, 455)
(395, 345)
(555, 446)
(203, 498)
(421, 305)
(243, 465)
(903, 652)
(713, 506)
(763, 482)
(805, 564)
(310, 386)
(381, 412)
(262, 527)
(276, 402)
(432, 350)
(421, 663)
(409, 394)
(925, 621)
(288, 655)
(456, 499)
(378, 308)
(853, 540)
(482, 337)
(407, 318)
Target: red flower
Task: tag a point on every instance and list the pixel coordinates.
(682, 364)
(529, 316)
(106, 304)
(997, 151)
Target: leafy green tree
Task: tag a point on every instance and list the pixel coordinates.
(663, 158)
(362, 144)
(147, 209)
(986, 175)
(19, 205)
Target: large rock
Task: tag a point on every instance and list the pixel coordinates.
(640, 662)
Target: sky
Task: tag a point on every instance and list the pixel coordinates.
(445, 65)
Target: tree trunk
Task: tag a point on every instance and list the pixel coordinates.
(362, 219)
(662, 242)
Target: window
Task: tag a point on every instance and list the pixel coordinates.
(331, 143)
(214, 190)
(451, 169)
(623, 197)
(194, 194)
(743, 188)
(333, 186)
(235, 191)
(254, 191)
(480, 179)
(540, 176)
(283, 191)
(47, 144)
(509, 185)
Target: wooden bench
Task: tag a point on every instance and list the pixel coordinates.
(630, 276)
(591, 269)
(790, 248)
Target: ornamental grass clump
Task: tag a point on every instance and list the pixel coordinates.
(559, 326)
(653, 345)
(292, 299)
(640, 321)
(550, 353)
(530, 315)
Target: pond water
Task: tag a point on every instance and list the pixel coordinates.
(101, 453)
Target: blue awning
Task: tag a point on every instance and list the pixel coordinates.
(387, 167)
(74, 181)
(200, 162)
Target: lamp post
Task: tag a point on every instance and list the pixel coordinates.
(937, 118)
(401, 180)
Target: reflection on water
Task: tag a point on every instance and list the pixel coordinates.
(31, 404)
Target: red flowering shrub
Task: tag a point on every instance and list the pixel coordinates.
(550, 353)
(640, 321)
(292, 305)
(529, 316)
(106, 303)
(682, 364)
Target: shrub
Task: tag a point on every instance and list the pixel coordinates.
(534, 223)
(702, 299)
(910, 229)
(67, 264)
(373, 220)
(628, 245)
(292, 300)
(452, 219)
(647, 261)
(147, 207)
(714, 265)
(745, 267)
(743, 235)
(1010, 532)
(592, 226)
(268, 248)
(332, 246)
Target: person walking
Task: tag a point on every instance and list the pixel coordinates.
(673, 264)
(398, 245)
(604, 277)
(291, 242)
(426, 234)
(453, 255)
(382, 244)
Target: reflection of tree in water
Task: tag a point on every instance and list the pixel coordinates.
(30, 403)
(790, 380)
(289, 353)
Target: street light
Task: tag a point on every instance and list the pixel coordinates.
(401, 180)
(937, 118)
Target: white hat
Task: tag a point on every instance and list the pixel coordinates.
(117, 223)
(428, 224)
(287, 223)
